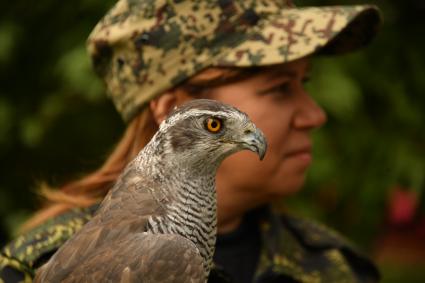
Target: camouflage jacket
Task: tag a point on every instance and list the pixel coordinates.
(293, 250)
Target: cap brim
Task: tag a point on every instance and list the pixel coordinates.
(298, 32)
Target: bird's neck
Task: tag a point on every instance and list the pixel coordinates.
(191, 206)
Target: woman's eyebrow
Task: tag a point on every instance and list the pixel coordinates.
(281, 73)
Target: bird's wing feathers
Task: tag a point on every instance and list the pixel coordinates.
(120, 216)
(132, 196)
(143, 257)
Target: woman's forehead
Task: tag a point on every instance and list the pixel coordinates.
(289, 69)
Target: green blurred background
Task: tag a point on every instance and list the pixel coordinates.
(369, 172)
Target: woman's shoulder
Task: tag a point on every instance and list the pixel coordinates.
(307, 251)
(316, 234)
(339, 251)
(33, 248)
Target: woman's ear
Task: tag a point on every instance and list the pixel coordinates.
(162, 105)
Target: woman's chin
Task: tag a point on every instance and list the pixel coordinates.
(288, 187)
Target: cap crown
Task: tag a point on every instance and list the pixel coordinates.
(142, 48)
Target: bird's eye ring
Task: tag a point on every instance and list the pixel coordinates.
(213, 125)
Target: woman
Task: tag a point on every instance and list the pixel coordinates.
(255, 55)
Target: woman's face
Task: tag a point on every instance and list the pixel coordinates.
(278, 104)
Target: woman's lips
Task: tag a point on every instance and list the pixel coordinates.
(302, 154)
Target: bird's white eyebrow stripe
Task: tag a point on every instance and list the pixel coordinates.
(198, 112)
(171, 120)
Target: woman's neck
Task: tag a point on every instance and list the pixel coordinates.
(233, 205)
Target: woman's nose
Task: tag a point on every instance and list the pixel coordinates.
(309, 115)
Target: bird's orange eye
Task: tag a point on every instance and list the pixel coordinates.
(213, 125)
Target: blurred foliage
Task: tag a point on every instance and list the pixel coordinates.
(374, 140)
(56, 124)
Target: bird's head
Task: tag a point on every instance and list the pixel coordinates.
(204, 131)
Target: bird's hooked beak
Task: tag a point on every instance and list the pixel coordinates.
(254, 140)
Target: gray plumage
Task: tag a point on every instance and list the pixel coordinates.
(158, 223)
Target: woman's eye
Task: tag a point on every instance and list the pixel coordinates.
(284, 88)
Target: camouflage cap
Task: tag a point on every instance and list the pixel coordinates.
(141, 48)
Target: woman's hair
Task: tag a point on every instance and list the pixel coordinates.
(93, 187)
